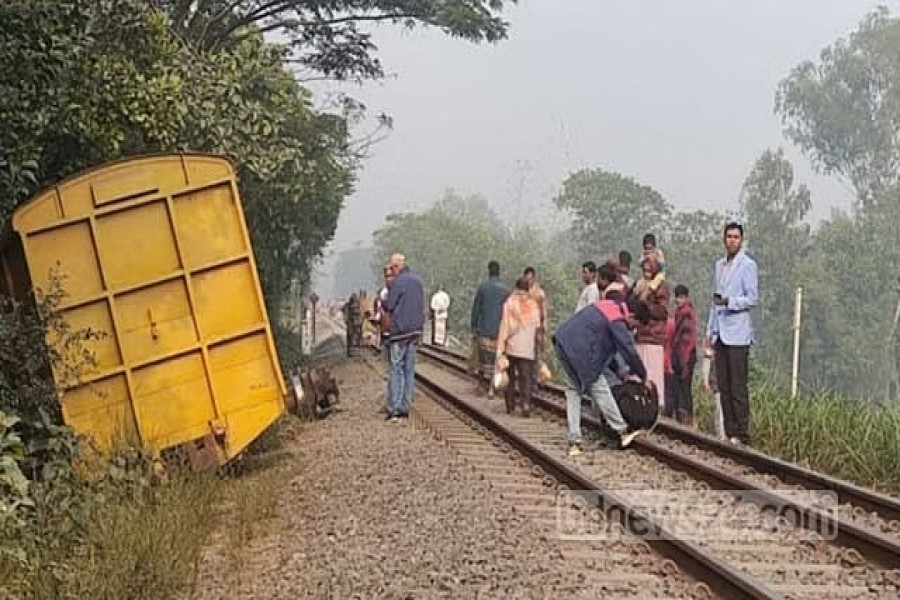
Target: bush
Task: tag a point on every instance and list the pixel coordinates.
(14, 497)
(134, 536)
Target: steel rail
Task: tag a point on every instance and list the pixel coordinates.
(723, 578)
(875, 546)
(885, 506)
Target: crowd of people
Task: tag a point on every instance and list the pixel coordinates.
(621, 330)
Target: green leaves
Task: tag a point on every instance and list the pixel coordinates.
(844, 112)
(329, 37)
(14, 496)
(611, 212)
(109, 79)
(773, 209)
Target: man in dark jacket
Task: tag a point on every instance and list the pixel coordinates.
(585, 346)
(487, 311)
(406, 305)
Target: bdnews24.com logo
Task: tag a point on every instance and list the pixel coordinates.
(711, 516)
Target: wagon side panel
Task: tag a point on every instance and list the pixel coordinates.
(155, 252)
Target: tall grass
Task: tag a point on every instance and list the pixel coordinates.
(852, 440)
(145, 547)
(131, 541)
(128, 535)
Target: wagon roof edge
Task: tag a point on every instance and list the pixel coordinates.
(9, 235)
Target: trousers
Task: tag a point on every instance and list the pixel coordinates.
(732, 369)
(521, 376)
(402, 380)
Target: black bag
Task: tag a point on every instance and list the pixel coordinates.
(639, 408)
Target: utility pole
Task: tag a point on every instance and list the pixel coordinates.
(894, 344)
(298, 310)
(795, 368)
(313, 299)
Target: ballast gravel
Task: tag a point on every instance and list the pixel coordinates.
(372, 509)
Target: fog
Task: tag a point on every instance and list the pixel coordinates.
(679, 95)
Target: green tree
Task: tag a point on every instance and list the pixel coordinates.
(844, 112)
(774, 209)
(75, 90)
(444, 244)
(108, 79)
(88, 82)
(326, 36)
(611, 212)
(845, 345)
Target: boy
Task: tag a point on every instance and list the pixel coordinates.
(651, 250)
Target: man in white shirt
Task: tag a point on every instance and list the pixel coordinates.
(590, 293)
(440, 309)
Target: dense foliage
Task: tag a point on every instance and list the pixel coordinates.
(94, 81)
(844, 112)
(326, 36)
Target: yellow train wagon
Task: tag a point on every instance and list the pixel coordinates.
(154, 252)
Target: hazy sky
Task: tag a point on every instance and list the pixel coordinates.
(676, 93)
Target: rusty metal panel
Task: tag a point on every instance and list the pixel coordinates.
(155, 253)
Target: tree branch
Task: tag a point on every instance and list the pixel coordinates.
(361, 146)
(264, 11)
(372, 18)
(181, 14)
(281, 24)
(272, 9)
(229, 9)
(222, 14)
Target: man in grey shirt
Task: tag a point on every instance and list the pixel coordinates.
(590, 293)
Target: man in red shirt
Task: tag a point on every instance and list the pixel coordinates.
(684, 355)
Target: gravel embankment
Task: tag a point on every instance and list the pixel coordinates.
(370, 509)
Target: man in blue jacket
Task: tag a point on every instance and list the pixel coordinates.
(586, 345)
(406, 305)
(730, 331)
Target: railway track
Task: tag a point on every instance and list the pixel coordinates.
(732, 521)
(602, 560)
(681, 446)
(616, 565)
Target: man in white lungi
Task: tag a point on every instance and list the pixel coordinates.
(440, 309)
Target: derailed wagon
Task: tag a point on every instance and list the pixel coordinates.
(155, 252)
